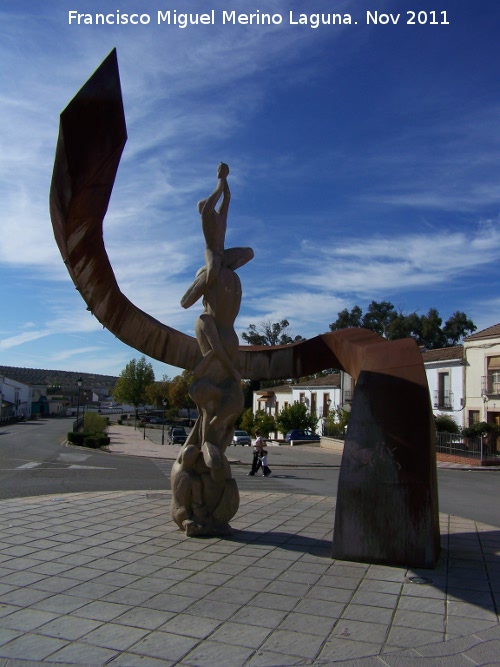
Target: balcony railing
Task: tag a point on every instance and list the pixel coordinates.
(490, 385)
(443, 400)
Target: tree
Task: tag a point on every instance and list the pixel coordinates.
(269, 333)
(247, 422)
(179, 391)
(132, 384)
(295, 416)
(458, 326)
(158, 391)
(336, 422)
(265, 423)
(347, 319)
(379, 317)
(428, 330)
(446, 424)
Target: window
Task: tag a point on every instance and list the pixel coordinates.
(493, 377)
(444, 393)
(326, 404)
(473, 417)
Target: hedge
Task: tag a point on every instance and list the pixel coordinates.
(86, 439)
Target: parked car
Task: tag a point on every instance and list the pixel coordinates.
(241, 438)
(307, 434)
(177, 435)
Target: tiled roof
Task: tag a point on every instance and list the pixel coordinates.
(332, 380)
(490, 332)
(443, 354)
(274, 390)
(67, 380)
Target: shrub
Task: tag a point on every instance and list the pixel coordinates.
(86, 439)
(94, 423)
(480, 429)
(96, 441)
(295, 416)
(446, 424)
(264, 423)
(78, 437)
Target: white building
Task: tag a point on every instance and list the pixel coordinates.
(321, 395)
(482, 376)
(444, 368)
(15, 399)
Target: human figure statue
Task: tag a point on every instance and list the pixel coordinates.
(216, 389)
(214, 224)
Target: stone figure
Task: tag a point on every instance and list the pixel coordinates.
(216, 389)
(387, 503)
(214, 224)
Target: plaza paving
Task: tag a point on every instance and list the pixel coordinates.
(108, 579)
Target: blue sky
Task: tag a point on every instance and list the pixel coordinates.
(365, 164)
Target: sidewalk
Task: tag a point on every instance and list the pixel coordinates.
(106, 578)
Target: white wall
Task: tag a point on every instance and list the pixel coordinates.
(17, 394)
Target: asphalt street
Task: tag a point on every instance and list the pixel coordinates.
(33, 462)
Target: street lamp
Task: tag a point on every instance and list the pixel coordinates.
(164, 402)
(79, 382)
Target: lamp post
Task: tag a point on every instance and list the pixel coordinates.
(164, 402)
(79, 382)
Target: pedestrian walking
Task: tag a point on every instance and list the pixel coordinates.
(266, 471)
(258, 447)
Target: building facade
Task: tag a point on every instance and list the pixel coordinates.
(321, 395)
(464, 383)
(444, 369)
(482, 376)
(15, 399)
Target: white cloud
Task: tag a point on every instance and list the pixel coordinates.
(384, 265)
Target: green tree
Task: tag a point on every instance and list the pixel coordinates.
(428, 330)
(269, 333)
(336, 422)
(132, 384)
(158, 391)
(295, 416)
(95, 423)
(457, 327)
(446, 424)
(264, 422)
(346, 319)
(379, 317)
(179, 391)
(247, 422)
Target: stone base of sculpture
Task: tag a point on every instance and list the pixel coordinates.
(204, 496)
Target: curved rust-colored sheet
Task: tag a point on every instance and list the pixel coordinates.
(92, 135)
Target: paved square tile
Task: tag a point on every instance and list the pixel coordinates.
(190, 626)
(213, 653)
(164, 645)
(32, 647)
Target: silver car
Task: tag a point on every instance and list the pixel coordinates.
(241, 438)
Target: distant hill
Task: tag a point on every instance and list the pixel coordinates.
(67, 380)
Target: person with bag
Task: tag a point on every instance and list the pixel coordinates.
(258, 447)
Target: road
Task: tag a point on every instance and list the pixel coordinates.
(34, 462)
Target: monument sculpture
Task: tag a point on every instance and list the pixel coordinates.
(216, 389)
(387, 503)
